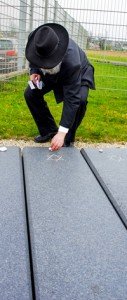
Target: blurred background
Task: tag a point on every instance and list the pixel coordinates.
(99, 27)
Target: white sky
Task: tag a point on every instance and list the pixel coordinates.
(101, 17)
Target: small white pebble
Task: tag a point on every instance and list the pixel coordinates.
(100, 150)
(2, 149)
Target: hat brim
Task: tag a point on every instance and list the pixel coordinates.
(48, 62)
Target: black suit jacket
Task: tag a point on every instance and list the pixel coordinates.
(75, 71)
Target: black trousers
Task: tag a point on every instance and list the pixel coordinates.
(42, 115)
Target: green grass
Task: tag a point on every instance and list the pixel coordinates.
(106, 117)
(118, 56)
(110, 76)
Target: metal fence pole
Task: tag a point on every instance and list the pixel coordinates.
(65, 19)
(55, 10)
(22, 34)
(46, 11)
(31, 15)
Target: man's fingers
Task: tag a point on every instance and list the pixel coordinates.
(57, 142)
(55, 145)
(35, 77)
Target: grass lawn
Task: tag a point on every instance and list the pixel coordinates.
(119, 56)
(106, 117)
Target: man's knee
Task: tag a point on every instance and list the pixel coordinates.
(31, 94)
(28, 94)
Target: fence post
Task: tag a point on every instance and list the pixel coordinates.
(22, 34)
(55, 11)
(31, 15)
(65, 18)
(46, 11)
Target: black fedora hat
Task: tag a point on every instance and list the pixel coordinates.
(47, 45)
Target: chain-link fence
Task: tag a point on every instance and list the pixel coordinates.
(19, 18)
(99, 27)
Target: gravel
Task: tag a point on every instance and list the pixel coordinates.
(79, 145)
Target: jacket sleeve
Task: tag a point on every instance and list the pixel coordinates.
(71, 95)
(34, 70)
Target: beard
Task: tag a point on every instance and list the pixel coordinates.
(52, 71)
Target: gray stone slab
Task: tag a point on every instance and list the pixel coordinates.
(111, 164)
(15, 282)
(79, 244)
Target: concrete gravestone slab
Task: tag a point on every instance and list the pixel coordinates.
(15, 282)
(111, 164)
(79, 244)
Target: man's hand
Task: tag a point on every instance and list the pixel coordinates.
(58, 141)
(35, 78)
